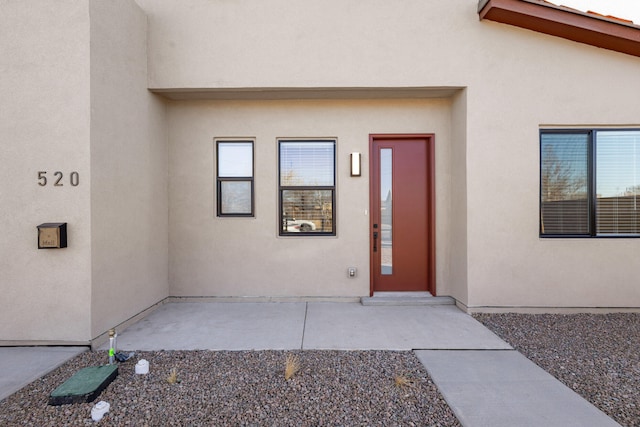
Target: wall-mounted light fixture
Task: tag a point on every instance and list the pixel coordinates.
(355, 164)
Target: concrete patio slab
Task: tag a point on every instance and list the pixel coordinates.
(483, 379)
(21, 365)
(217, 326)
(504, 388)
(339, 326)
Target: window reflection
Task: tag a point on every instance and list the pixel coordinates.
(307, 211)
(386, 210)
(307, 187)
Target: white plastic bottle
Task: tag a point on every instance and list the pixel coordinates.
(112, 346)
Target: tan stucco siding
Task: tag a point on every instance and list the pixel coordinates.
(279, 43)
(213, 256)
(541, 82)
(517, 81)
(129, 200)
(142, 224)
(45, 127)
(456, 198)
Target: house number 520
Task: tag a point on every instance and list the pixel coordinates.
(58, 179)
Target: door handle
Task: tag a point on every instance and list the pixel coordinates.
(375, 241)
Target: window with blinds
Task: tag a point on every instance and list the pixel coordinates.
(564, 207)
(307, 187)
(234, 178)
(589, 183)
(617, 182)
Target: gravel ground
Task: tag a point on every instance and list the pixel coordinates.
(596, 355)
(349, 388)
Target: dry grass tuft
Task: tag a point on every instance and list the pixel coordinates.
(402, 381)
(292, 366)
(173, 377)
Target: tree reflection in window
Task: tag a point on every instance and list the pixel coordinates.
(590, 182)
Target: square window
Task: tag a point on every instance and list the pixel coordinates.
(234, 178)
(306, 187)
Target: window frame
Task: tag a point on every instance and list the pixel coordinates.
(220, 180)
(592, 197)
(282, 229)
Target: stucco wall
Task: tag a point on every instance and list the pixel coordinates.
(44, 126)
(129, 199)
(517, 81)
(537, 81)
(329, 43)
(74, 100)
(75, 104)
(456, 198)
(213, 256)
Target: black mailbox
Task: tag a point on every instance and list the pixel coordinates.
(52, 235)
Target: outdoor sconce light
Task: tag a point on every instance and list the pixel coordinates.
(355, 164)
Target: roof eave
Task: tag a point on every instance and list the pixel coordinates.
(543, 17)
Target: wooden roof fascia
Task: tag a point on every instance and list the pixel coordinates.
(571, 24)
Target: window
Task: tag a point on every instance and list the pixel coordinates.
(306, 187)
(590, 183)
(234, 180)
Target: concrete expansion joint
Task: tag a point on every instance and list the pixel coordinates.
(304, 324)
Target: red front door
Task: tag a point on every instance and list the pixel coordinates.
(402, 213)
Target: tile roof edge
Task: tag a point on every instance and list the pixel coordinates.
(588, 13)
(547, 18)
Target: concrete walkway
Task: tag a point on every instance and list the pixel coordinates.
(504, 388)
(20, 366)
(482, 378)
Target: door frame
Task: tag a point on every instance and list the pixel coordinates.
(431, 211)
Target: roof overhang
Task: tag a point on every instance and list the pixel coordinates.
(287, 93)
(538, 15)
